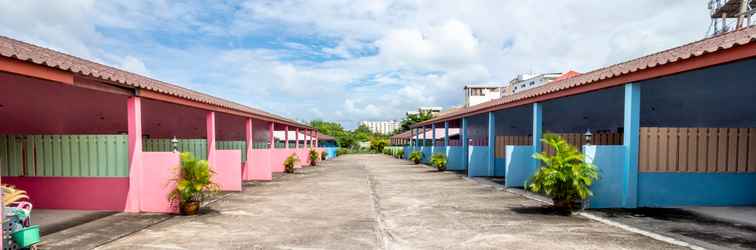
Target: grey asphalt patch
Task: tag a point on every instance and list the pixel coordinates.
(101, 231)
(376, 202)
(680, 224)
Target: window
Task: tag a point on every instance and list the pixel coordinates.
(476, 92)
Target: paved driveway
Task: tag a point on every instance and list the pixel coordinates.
(373, 201)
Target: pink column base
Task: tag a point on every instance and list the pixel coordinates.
(258, 165)
(278, 156)
(226, 168)
(159, 169)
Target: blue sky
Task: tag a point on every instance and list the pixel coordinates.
(348, 61)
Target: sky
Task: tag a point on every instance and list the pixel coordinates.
(347, 61)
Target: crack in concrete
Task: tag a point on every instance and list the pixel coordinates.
(383, 236)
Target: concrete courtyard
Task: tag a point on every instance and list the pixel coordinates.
(376, 202)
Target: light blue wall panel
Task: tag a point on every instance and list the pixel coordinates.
(607, 190)
(696, 189)
(500, 167)
(455, 158)
(519, 165)
(426, 154)
(478, 161)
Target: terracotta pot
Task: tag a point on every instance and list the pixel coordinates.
(189, 208)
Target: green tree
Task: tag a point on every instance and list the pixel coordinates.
(411, 119)
(377, 144)
(346, 138)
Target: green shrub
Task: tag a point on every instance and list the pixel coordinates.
(193, 181)
(416, 157)
(377, 145)
(314, 155)
(290, 162)
(399, 153)
(341, 151)
(564, 176)
(439, 161)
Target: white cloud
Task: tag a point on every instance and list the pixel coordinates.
(135, 65)
(378, 59)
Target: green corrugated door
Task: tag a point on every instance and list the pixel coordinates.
(64, 155)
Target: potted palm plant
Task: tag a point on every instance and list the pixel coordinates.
(563, 176)
(416, 157)
(290, 162)
(193, 184)
(313, 157)
(439, 161)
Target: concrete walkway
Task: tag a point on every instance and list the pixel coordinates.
(376, 202)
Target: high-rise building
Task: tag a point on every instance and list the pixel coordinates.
(476, 94)
(381, 127)
(528, 81)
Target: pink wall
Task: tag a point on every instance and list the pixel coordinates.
(84, 193)
(227, 172)
(304, 156)
(159, 169)
(258, 165)
(278, 155)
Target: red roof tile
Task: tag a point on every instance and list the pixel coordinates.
(11, 48)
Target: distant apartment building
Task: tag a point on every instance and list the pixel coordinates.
(480, 93)
(381, 127)
(432, 110)
(528, 81)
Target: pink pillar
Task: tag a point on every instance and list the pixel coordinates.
(286, 137)
(296, 138)
(134, 114)
(249, 137)
(307, 138)
(271, 140)
(211, 138)
(316, 138)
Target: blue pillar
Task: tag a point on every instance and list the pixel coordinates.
(433, 139)
(417, 138)
(631, 137)
(463, 140)
(446, 133)
(425, 140)
(491, 143)
(537, 131)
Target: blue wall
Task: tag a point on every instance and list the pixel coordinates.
(478, 161)
(455, 158)
(519, 165)
(696, 189)
(407, 151)
(426, 154)
(330, 152)
(607, 190)
(500, 167)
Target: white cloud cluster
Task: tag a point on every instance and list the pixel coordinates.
(351, 60)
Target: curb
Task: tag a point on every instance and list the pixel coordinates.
(649, 234)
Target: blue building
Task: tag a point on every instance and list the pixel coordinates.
(674, 128)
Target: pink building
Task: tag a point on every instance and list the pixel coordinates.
(80, 135)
